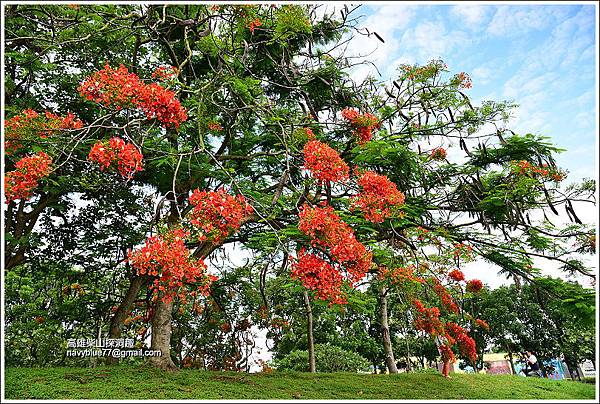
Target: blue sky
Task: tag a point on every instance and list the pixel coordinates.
(540, 56)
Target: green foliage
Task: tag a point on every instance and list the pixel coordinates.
(515, 147)
(401, 162)
(546, 317)
(511, 262)
(290, 21)
(537, 241)
(572, 299)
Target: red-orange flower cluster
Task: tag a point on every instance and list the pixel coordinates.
(379, 199)
(425, 235)
(324, 163)
(320, 277)
(428, 319)
(446, 353)
(363, 124)
(215, 126)
(327, 229)
(126, 155)
(217, 214)
(322, 225)
(117, 88)
(279, 322)
(29, 125)
(474, 286)
(439, 153)
(253, 24)
(399, 275)
(482, 324)
(456, 275)
(413, 72)
(463, 80)
(20, 183)
(309, 133)
(168, 259)
(164, 73)
(447, 300)
(466, 344)
(462, 250)
(524, 167)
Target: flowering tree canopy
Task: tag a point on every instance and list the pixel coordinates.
(211, 128)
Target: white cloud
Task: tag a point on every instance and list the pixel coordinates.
(389, 19)
(431, 39)
(517, 20)
(551, 71)
(472, 15)
(588, 53)
(581, 101)
(322, 10)
(392, 68)
(585, 119)
(481, 75)
(388, 22)
(528, 82)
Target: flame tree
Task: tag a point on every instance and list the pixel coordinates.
(242, 124)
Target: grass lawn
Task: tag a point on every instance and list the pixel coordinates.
(124, 382)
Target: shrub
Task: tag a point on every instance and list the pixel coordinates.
(328, 358)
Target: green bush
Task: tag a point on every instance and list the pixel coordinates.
(328, 358)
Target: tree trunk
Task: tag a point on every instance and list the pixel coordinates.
(312, 366)
(161, 335)
(20, 224)
(510, 360)
(570, 369)
(385, 333)
(517, 281)
(543, 368)
(117, 320)
(163, 312)
(408, 364)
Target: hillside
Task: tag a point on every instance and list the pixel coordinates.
(143, 383)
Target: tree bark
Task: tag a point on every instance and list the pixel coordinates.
(390, 361)
(517, 281)
(510, 360)
(408, 364)
(161, 335)
(117, 320)
(570, 369)
(542, 367)
(20, 224)
(312, 366)
(163, 312)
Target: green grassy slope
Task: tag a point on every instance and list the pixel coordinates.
(144, 383)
